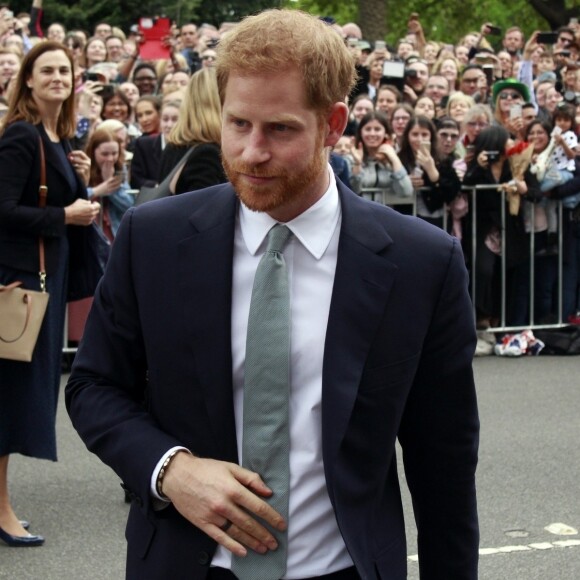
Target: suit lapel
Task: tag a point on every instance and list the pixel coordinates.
(362, 283)
(205, 274)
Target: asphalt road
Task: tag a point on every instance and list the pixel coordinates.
(527, 479)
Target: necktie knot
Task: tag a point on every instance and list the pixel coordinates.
(277, 238)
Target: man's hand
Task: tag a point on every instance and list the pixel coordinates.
(222, 499)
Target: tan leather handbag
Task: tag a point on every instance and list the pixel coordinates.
(22, 311)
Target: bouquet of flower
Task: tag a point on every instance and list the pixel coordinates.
(520, 157)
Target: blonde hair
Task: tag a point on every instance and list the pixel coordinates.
(458, 97)
(200, 112)
(162, 65)
(111, 125)
(278, 40)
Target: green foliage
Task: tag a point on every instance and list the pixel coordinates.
(85, 14)
(443, 21)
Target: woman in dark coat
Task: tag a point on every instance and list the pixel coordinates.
(42, 108)
(199, 126)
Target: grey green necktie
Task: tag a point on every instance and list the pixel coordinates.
(266, 437)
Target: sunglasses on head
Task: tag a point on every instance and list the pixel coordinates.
(504, 96)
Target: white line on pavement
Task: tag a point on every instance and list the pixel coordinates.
(520, 548)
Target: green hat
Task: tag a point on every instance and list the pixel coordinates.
(511, 84)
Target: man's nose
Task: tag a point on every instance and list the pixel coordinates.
(256, 149)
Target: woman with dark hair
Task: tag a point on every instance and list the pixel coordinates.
(432, 176)
(148, 114)
(376, 163)
(400, 117)
(116, 105)
(94, 52)
(388, 97)
(42, 110)
(490, 166)
(360, 106)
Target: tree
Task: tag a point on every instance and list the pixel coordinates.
(555, 11)
(443, 21)
(84, 14)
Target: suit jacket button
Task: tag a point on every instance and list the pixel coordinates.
(203, 558)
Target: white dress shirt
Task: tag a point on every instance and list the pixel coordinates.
(315, 546)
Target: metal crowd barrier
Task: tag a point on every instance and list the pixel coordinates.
(392, 200)
(389, 198)
(503, 327)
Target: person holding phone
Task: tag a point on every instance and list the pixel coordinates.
(508, 96)
(433, 177)
(376, 163)
(490, 166)
(108, 182)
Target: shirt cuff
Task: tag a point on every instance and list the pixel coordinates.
(400, 174)
(155, 474)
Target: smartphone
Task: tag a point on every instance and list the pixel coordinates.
(380, 45)
(547, 37)
(494, 30)
(492, 156)
(488, 70)
(394, 69)
(425, 147)
(515, 111)
(87, 76)
(573, 21)
(107, 91)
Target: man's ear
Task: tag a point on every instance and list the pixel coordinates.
(336, 121)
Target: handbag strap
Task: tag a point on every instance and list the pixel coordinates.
(178, 167)
(42, 193)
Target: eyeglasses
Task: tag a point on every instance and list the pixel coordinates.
(504, 96)
(471, 80)
(475, 124)
(405, 118)
(449, 136)
(145, 79)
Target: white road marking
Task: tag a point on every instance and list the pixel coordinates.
(560, 529)
(519, 548)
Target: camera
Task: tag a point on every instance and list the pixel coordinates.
(492, 156)
(87, 76)
(410, 73)
(393, 73)
(572, 97)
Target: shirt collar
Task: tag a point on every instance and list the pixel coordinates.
(314, 227)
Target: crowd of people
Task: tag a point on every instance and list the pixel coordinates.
(425, 119)
(453, 94)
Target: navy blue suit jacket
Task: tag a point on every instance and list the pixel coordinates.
(22, 222)
(154, 370)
